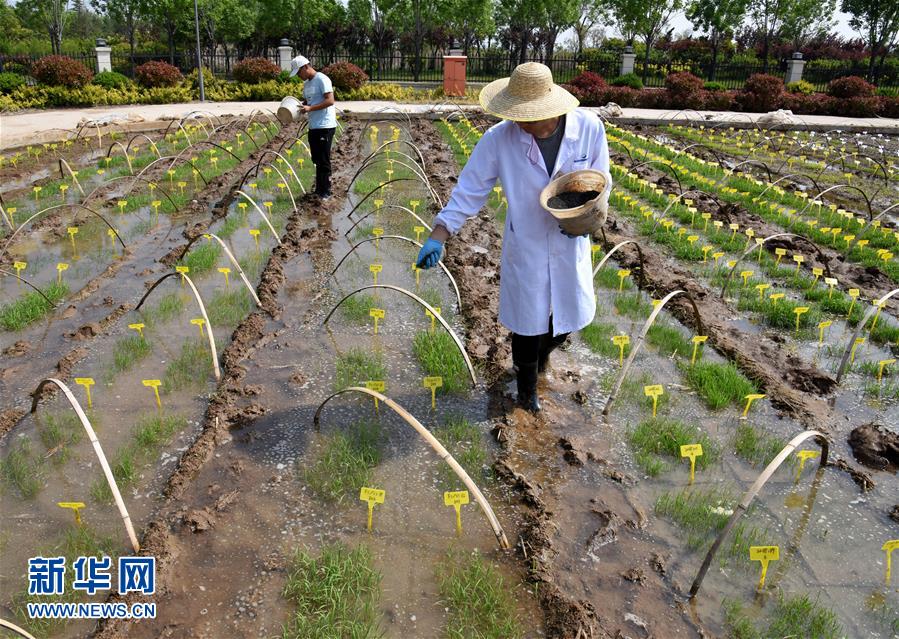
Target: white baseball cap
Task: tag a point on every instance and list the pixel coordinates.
(298, 63)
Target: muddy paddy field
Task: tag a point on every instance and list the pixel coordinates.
(744, 279)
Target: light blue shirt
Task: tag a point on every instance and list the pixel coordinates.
(314, 91)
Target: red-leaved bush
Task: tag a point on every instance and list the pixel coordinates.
(345, 76)
(157, 74)
(685, 90)
(851, 86)
(61, 71)
(761, 93)
(255, 70)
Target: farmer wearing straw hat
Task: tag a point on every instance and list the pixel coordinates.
(546, 279)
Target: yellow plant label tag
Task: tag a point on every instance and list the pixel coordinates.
(139, 327)
(654, 391)
(376, 314)
(764, 554)
(749, 399)
(804, 456)
(692, 451)
(372, 496)
(433, 383)
(182, 269)
(853, 293)
(780, 252)
(817, 272)
(883, 364)
(418, 231)
(621, 341)
(154, 384)
(74, 506)
(377, 386)
(377, 231)
(889, 547)
(799, 259)
(456, 499)
(87, 382)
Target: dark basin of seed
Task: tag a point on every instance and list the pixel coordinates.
(571, 199)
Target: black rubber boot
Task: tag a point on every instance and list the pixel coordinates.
(527, 387)
(547, 346)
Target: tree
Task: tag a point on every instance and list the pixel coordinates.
(51, 15)
(469, 21)
(126, 14)
(521, 18)
(776, 18)
(645, 18)
(807, 19)
(589, 13)
(171, 16)
(558, 16)
(878, 23)
(716, 18)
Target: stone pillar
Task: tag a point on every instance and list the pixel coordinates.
(794, 68)
(104, 56)
(627, 60)
(285, 54)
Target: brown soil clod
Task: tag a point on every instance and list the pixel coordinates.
(875, 447)
(894, 513)
(20, 348)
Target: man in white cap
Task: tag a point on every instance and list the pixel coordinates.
(546, 278)
(318, 105)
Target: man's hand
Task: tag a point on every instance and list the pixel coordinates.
(430, 253)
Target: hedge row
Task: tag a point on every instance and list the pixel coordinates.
(848, 97)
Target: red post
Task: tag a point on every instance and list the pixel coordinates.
(454, 74)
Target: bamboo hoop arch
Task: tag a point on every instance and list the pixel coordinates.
(107, 471)
(27, 283)
(5, 217)
(793, 178)
(14, 628)
(707, 148)
(418, 173)
(59, 206)
(173, 158)
(858, 329)
(405, 239)
(876, 217)
(730, 274)
(210, 143)
(421, 157)
(750, 494)
(286, 161)
(134, 179)
(641, 282)
(62, 162)
(207, 324)
(680, 187)
(390, 206)
(231, 257)
(642, 338)
(427, 306)
(124, 151)
(437, 447)
(264, 217)
(841, 186)
(736, 166)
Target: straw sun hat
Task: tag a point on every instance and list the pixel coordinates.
(529, 95)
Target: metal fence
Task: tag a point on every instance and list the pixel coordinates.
(820, 72)
(21, 63)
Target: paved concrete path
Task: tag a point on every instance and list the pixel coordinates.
(17, 129)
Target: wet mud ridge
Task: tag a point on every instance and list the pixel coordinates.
(233, 404)
(596, 571)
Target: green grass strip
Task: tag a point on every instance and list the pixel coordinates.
(30, 307)
(346, 464)
(718, 384)
(438, 354)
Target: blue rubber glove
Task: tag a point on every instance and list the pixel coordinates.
(430, 253)
(567, 234)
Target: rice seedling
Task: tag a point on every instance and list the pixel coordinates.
(739, 625)
(356, 308)
(127, 351)
(779, 314)
(189, 369)
(202, 258)
(346, 463)
(357, 366)
(699, 512)
(253, 264)
(30, 307)
(718, 384)
(169, 306)
(433, 297)
(58, 431)
(633, 306)
(632, 391)
(464, 442)
(228, 308)
(151, 433)
(800, 616)
(668, 340)
(480, 601)
(756, 446)
(438, 355)
(657, 437)
(230, 226)
(883, 390)
(607, 277)
(598, 338)
(363, 231)
(336, 594)
(23, 469)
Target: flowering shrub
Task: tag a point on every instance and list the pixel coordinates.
(685, 90)
(60, 71)
(761, 93)
(255, 70)
(345, 76)
(157, 74)
(851, 86)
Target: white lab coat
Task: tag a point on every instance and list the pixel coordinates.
(542, 270)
